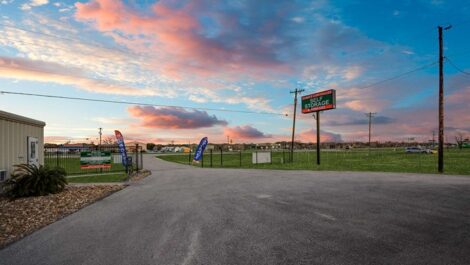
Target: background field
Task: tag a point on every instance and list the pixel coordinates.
(72, 165)
(378, 159)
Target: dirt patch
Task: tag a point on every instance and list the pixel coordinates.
(23, 216)
(140, 175)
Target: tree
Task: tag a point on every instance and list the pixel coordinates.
(150, 146)
(109, 140)
(459, 138)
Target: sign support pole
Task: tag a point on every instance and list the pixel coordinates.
(318, 137)
(315, 103)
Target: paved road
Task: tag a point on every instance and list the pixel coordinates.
(183, 215)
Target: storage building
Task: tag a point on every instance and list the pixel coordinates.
(21, 142)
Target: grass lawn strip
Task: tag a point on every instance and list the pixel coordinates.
(117, 177)
(23, 216)
(381, 159)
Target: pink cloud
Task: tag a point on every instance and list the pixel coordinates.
(174, 118)
(40, 71)
(245, 132)
(175, 33)
(310, 136)
(57, 139)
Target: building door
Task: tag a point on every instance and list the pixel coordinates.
(33, 151)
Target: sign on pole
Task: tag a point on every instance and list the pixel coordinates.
(317, 102)
(324, 100)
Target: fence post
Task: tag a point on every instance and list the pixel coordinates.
(271, 154)
(189, 157)
(283, 156)
(256, 155)
(211, 157)
(57, 157)
(137, 157)
(202, 159)
(221, 158)
(240, 158)
(141, 159)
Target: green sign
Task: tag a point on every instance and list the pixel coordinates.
(324, 100)
(95, 159)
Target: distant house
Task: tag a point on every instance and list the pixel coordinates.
(131, 146)
(21, 142)
(74, 148)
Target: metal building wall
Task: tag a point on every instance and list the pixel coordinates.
(13, 140)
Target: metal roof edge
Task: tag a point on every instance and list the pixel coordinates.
(21, 119)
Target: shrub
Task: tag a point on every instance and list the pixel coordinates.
(30, 180)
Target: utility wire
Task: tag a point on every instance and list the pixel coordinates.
(137, 103)
(456, 67)
(116, 49)
(399, 75)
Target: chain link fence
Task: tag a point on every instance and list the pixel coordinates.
(69, 159)
(396, 159)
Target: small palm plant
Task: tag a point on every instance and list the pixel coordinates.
(30, 180)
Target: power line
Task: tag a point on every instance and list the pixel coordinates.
(127, 52)
(138, 103)
(456, 67)
(399, 75)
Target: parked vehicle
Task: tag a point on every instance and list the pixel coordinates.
(418, 149)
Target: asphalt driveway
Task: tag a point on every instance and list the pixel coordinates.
(184, 215)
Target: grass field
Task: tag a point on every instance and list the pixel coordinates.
(117, 177)
(72, 166)
(380, 159)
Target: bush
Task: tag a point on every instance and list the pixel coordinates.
(30, 180)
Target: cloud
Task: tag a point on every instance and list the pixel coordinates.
(33, 3)
(376, 121)
(310, 136)
(123, 67)
(177, 33)
(40, 71)
(367, 105)
(57, 139)
(245, 132)
(174, 118)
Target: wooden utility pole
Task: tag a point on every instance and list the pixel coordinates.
(441, 104)
(318, 137)
(295, 92)
(370, 115)
(440, 162)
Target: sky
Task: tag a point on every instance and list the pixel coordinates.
(189, 56)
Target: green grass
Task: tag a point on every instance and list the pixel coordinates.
(72, 166)
(118, 177)
(380, 159)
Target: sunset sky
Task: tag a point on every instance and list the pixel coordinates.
(235, 55)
